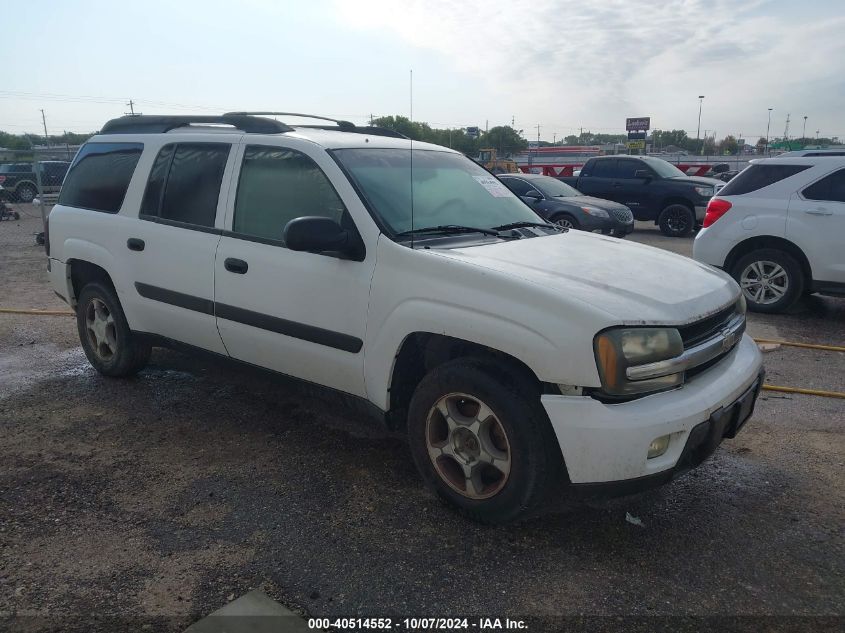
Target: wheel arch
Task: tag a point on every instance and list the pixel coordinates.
(768, 241)
(673, 200)
(81, 272)
(420, 352)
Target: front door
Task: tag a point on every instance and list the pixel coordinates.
(302, 314)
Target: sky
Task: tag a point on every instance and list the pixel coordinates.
(560, 65)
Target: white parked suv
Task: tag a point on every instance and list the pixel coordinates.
(408, 280)
(779, 229)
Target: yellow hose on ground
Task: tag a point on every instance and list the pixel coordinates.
(38, 312)
(829, 348)
(809, 392)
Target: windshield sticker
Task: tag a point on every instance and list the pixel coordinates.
(493, 185)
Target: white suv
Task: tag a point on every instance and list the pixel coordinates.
(407, 279)
(778, 228)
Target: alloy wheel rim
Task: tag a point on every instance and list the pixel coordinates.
(676, 220)
(564, 223)
(468, 446)
(100, 328)
(764, 282)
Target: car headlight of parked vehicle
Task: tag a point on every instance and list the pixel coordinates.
(706, 192)
(620, 348)
(595, 212)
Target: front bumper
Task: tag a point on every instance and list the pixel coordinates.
(700, 212)
(608, 443)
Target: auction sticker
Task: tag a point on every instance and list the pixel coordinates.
(493, 185)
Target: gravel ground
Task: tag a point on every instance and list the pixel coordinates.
(157, 500)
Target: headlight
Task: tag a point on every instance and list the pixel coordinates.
(596, 213)
(618, 349)
(706, 192)
(740, 304)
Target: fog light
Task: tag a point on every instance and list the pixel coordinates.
(658, 446)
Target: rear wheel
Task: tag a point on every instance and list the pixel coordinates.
(111, 347)
(770, 279)
(676, 220)
(566, 221)
(483, 442)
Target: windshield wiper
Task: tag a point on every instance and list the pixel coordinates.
(519, 225)
(450, 228)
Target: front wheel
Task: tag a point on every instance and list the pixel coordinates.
(483, 442)
(26, 193)
(676, 220)
(771, 280)
(566, 221)
(111, 347)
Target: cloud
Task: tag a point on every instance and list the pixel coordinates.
(593, 63)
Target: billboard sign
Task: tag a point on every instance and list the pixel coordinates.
(638, 124)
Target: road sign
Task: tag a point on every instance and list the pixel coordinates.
(636, 144)
(638, 124)
(636, 136)
(473, 132)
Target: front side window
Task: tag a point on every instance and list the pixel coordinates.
(830, 188)
(278, 185)
(627, 168)
(100, 175)
(441, 188)
(756, 177)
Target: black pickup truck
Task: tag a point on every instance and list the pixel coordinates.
(652, 188)
(19, 182)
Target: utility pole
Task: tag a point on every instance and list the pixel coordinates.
(804, 131)
(538, 135)
(131, 105)
(371, 119)
(513, 121)
(768, 125)
(44, 121)
(554, 138)
(698, 131)
(786, 131)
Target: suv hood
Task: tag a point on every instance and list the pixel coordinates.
(633, 283)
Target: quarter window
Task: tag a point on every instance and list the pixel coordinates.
(758, 176)
(278, 185)
(100, 175)
(830, 188)
(193, 183)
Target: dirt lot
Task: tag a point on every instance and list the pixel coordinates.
(158, 499)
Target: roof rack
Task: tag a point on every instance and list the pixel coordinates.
(343, 126)
(157, 124)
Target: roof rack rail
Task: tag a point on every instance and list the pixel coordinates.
(343, 125)
(157, 124)
(367, 129)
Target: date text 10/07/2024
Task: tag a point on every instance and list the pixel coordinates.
(418, 624)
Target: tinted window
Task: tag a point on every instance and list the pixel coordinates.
(22, 169)
(517, 185)
(155, 184)
(277, 185)
(193, 183)
(100, 175)
(625, 167)
(830, 188)
(756, 177)
(603, 169)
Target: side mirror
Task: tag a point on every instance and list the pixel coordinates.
(642, 173)
(316, 234)
(534, 195)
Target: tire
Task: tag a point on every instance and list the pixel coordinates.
(110, 346)
(517, 432)
(26, 193)
(566, 221)
(16, 215)
(783, 280)
(676, 220)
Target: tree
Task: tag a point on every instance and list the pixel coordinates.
(728, 145)
(505, 139)
(571, 140)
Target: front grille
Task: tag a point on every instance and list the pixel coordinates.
(695, 333)
(622, 215)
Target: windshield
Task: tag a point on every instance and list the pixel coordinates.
(664, 169)
(448, 189)
(554, 188)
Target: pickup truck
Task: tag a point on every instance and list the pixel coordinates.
(20, 182)
(652, 188)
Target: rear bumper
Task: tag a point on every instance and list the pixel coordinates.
(608, 443)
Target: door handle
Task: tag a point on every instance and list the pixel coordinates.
(818, 211)
(237, 266)
(134, 244)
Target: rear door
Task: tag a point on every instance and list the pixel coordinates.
(816, 224)
(173, 243)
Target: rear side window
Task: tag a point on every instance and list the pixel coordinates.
(603, 169)
(830, 188)
(758, 176)
(100, 175)
(278, 185)
(184, 183)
